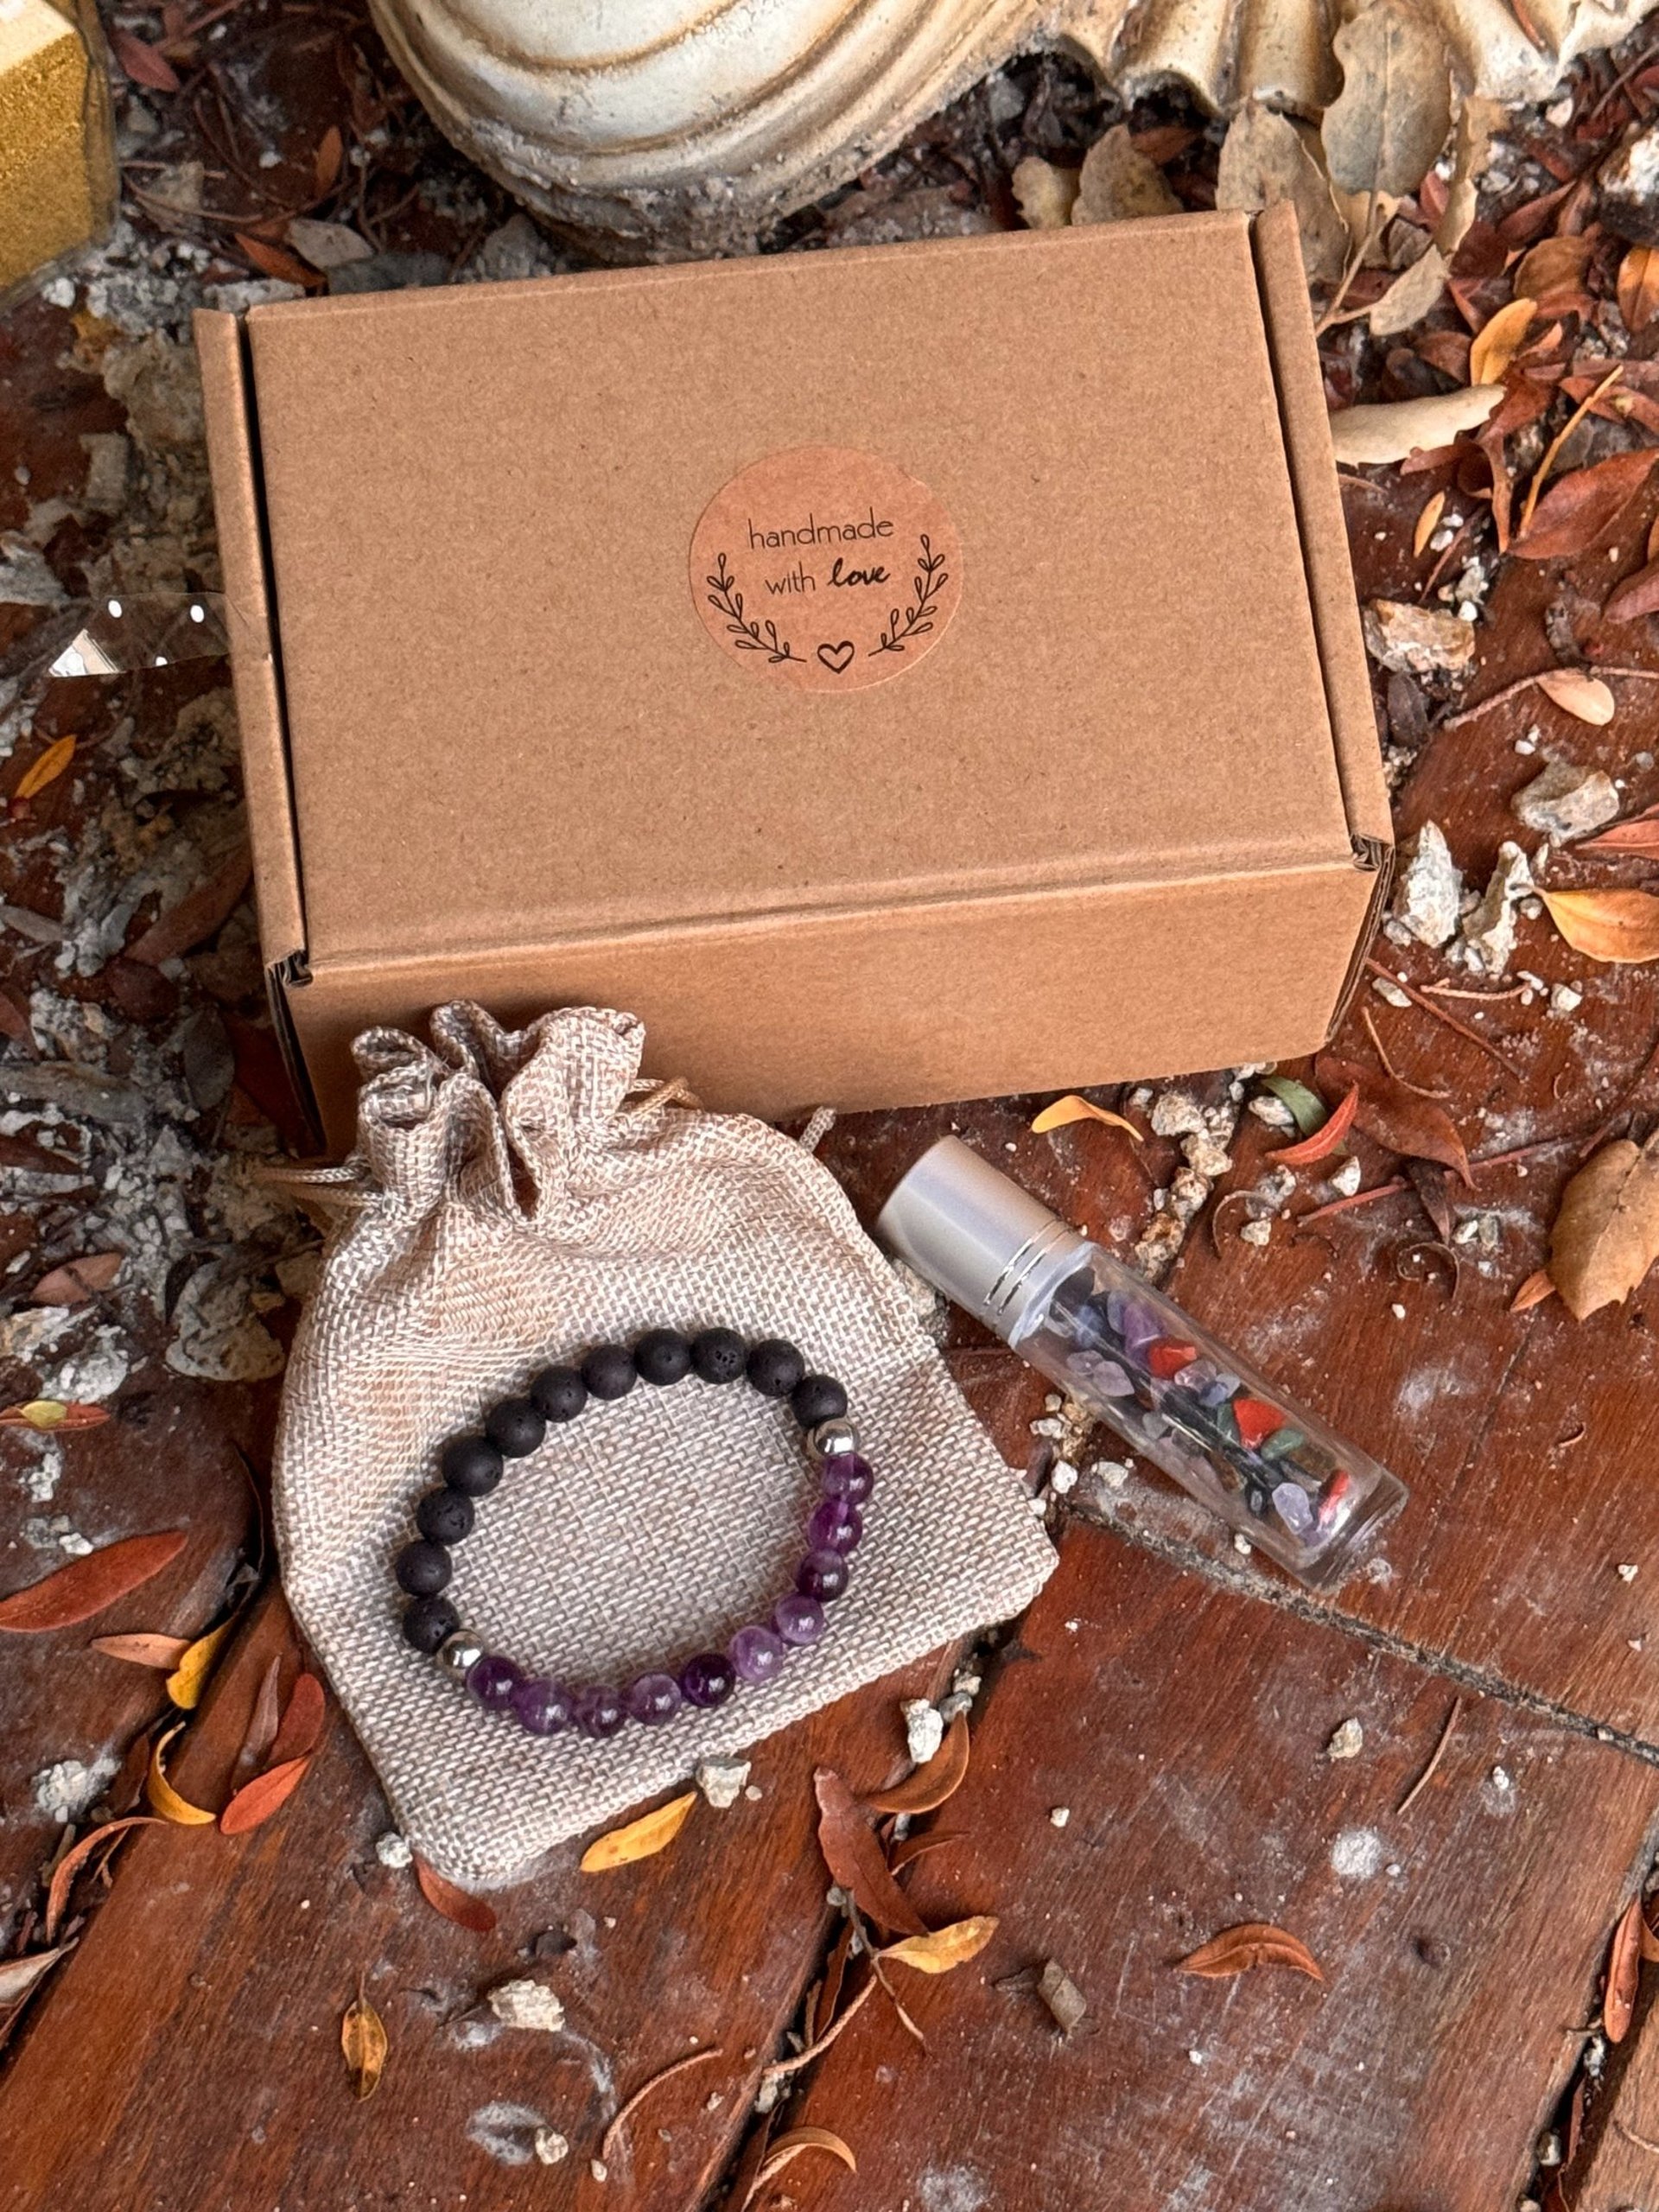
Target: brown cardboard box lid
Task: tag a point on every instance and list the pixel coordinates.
(506, 723)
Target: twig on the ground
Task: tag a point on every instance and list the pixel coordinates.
(1642, 2142)
(607, 2141)
(1434, 1758)
(781, 2068)
(1462, 1029)
(1389, 1068)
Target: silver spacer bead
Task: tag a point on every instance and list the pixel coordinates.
(459, 1653)
(833, 1440)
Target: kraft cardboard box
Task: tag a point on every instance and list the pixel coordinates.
(899, 675)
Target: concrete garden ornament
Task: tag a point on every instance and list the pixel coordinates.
(663, 128)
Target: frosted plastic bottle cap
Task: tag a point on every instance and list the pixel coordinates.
(977, 1235)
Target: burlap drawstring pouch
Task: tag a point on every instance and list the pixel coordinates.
(513, 1200)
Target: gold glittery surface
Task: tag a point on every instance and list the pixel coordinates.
(55, 169)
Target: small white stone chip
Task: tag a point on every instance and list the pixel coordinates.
(924, 1729)
(393, 1850)
(721, 1781)
(1347, 1743)
(527, 2004)
(551, 2145)
(1062, 1477)
(1060, 1816)
(1629, 1573)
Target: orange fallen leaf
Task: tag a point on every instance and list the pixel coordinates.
(1611, 926)
(76, 1281)
(276, 261)
(1499, 341)
(856, 1862)
(940, 1778)
(252, 1805)
(190, 1678)
(457, 1904)
(642, 1839)
(163, 1797)
(1073, 1108)
(1623, 1974)
(1638, 838)
(163, 1652)
(1325, 1139)
(1606, 1232)
(787, 2148)
(363, 2045)
(1397, 1117)
(1586, 698)
(86, 1585)
(301, 1726)
(63, 1873)
(1638, 288)
(1427, 521)
(45, 768)
(941, 1948)
(1252, 1943)
(1538, 1287)
(1636, 595)
(1581, 507)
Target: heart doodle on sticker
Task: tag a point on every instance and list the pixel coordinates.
(836, 658)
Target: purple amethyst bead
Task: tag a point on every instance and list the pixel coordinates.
(541, 1707)
(492, 1682)
(799, 1619)
(599, 1712)
(756, 1654)
(835, 1527)
(847, 1476)
(822, 1575)
(708, 1679)
(654, 1698)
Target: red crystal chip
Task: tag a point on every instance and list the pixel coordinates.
(1168, 1356)
(1334, 1496)
(1256, 1421)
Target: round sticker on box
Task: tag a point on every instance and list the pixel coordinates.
(826, 569)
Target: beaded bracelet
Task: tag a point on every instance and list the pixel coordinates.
(473, 1464)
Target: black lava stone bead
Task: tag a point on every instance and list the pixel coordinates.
(718, 1354)
(471, 1463)
(515, 1427)
(663, 1356)
(445, 1515)
(558, 1393)
(816, 1398)
(775, 1368)
(430, 1622)
(423, 1569)
(609, 1371)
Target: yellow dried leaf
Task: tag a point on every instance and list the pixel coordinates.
(1586, 698)
(1499, 341)
(47, 769)
(1617, 925)
(1429, 522)
(788, 2147)
(363, 2041)
(1073, 1108)
(1638, 287)
(945, 1947)
(188, 1680)
(164, 1798)
(652, 1832)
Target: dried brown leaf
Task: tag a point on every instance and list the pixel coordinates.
(466, 1910)
(1428, 1179)
(19, 1976)
(188, 1680)
(1411, 295)
(364, 2046)
(252, 1805)
(262, 1721)
(1613, 925)
(301, 1723)
(330, 154)
(197, 915)
(917, 1847)
(641, 1839)
(1650, 1940)
(63, 1873)
(86, 1585)
(1552, 274)
(1637, 839)
(1252, 1943)
(942, 1948)
(45, 768)
(1580, 507)
(790, 2146)
(76, 1281)
(1072, 1109)
(1606, 1232)
(1385, 130)
(1396, 1118)
(931, 1784)
(1636, 595)
(1538, 1286)
(855, 1860)
(1267, 158)
(1499, 341)
(1587, 698)
(143, 63)
(1329, 1135)
(1624, 1973)
(276, 261)
(163, 1652)
(1638, 287)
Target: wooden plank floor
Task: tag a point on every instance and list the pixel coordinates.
(1174, 1701)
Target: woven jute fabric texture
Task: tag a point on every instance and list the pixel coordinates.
(509, 1205)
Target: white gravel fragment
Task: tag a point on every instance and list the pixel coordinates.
(1059, 1816)
(1347, 1742)
(1565, 998)
(65, 1791)
(1345, 1180)
(1356, 1855)
(393, 1850)
(527, 2004)
(1628, 1573)
(924, 1729)
(550, 2147)
(721, 1781)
